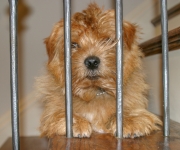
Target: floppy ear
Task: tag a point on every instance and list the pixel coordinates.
(55, 51)
(53, 40)
(49, 48)
(129, 34)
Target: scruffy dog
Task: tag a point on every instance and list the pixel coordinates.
(94, 79)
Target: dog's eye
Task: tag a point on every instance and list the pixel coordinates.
(74, 45)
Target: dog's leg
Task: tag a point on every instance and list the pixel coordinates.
(53, 124)
(136, 123)
(81, 127)
(56, 125)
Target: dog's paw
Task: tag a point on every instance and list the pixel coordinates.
(81, 128)
(136, 125)
(140, 125)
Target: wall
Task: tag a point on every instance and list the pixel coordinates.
(35, 22)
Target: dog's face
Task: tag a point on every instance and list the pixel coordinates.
(93, 51)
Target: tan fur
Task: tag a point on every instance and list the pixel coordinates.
(94, 32)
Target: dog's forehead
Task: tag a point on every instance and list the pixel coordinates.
(99, 27)
(94, 19)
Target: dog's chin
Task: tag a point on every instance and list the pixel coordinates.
(92, 77)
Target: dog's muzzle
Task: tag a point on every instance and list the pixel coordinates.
(92, 62)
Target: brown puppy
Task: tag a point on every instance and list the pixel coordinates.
(94, 79)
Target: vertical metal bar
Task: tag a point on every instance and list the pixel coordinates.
(164, 28)
(14, 73)
(68, 82)
(119, 70)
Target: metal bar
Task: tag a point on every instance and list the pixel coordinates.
(14, 74)
(68, 82)
(164, 28)
(119, 70)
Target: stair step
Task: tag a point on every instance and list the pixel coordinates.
(155, 141)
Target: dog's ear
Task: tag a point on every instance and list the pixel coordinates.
(129, 34)
(52, 41)
(49, 48)
(55, 51)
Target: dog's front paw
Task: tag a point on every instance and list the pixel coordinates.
(81, 128)
(140, 123)
(136, 125)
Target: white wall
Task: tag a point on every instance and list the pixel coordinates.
(36, 19)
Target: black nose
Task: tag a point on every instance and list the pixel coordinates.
(92, 62)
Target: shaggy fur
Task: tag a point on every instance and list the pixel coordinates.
(94, 90)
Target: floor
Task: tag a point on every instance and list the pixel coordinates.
(155, 141)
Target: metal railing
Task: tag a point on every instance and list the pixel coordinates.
(164, 28)
(67, 47)
(67, 28)
(14, 73)
(119, 69)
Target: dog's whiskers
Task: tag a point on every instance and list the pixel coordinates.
(76, 61)
(92, 74)
(113, 72)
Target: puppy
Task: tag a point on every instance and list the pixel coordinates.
(94, 79)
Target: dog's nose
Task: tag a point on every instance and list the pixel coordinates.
(92, 62)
